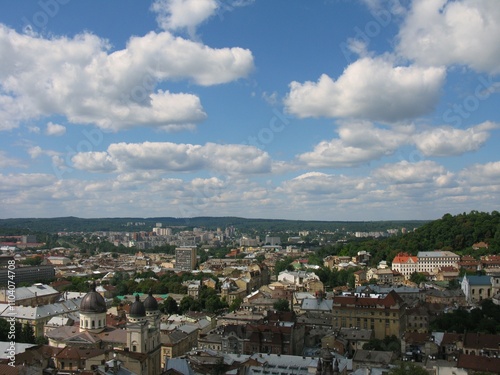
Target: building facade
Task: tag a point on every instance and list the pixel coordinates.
(185, 258)
(385, 316)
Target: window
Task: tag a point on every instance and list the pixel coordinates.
(134, 348)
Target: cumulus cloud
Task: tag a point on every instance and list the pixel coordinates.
(83, 80)
(317, 183)
(55, 129)
(187, 15)
(444, 32)
(15, 181)
(6, 161)
(370, 88)
(404, 172)
(358, 143)
(487, 174)
(448, 141)
(183, 14)
(172, 157)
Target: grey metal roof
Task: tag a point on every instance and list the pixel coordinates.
(317, 304)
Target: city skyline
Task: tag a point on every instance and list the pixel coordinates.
(333, 110)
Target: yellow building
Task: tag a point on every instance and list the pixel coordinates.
(385, 316)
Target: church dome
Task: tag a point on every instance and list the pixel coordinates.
(93, 302)
(137, 309)
(150, 303)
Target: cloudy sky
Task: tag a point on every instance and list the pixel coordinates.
(326, 110)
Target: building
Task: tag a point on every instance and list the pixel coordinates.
(476, 288)
(38, 316)
(29, 275)
(432, 261)
(385, 316)
(185, 258)
(273, 241)
(38, 294)
(405, 264)
(136, 348)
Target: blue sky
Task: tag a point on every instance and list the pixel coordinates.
(314, 110)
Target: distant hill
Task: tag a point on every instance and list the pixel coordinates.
(457, 232)
(75, 224)
(454, 233)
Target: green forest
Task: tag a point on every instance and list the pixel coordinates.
(75, 224)
(453, 233)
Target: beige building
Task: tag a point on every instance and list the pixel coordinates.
(385, 316)
(432, 261)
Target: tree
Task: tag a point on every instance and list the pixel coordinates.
(33, 261)
(214, 304)
(170, 306)
(27, 334)
(417, 278)
(406, 368)
(235, 305)
(281, 305)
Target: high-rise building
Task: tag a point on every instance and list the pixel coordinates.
(185, 258)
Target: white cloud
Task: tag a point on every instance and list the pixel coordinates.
(172, 157)
(370, 88)
(404, 172)
(187, 15)
(94, 162)
(448, 141)
(442, 32)
(183, 14)
(55, 129)
(324, 184)
(6, 161)
(19, 181)
(487, 174)
(78, 78)
(358, 143)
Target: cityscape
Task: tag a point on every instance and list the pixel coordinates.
(249, 187)
(195, 300)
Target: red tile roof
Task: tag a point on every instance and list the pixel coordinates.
(479, 363)
(404, 258)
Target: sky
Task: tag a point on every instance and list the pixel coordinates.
(283, 109)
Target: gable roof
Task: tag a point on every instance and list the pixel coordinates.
(478, 363)
(404, 258)
(478, 280)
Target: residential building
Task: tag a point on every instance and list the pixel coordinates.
(347, 340)
(185, 258)
(35, 295)
(29, 275)
(371, 359)
(481, 344)
(454, 297)
(385, 316)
